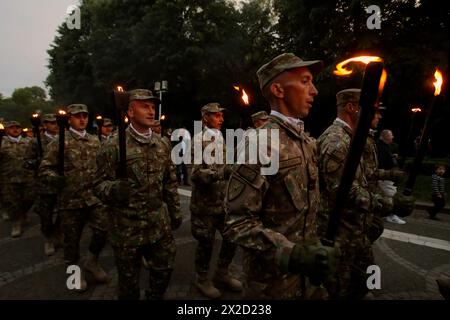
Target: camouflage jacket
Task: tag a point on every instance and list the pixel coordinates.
(267, 215)
(79, 169)
(333, 146)
(154, 198)
(12, 161)
(32, 154)
(208, 180)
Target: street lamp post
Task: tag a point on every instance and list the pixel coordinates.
(160, 87)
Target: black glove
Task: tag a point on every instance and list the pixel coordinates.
(314, 260)
(56, 181)
(120, 193)
(175, 223)
(375, 229)
(403, 205)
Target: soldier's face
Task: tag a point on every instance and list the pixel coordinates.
(51, 127)
(142, 113)
(106, 130)
(213, 120)
(13, 131)
(79, 121)
(156, 129)
(298, 91)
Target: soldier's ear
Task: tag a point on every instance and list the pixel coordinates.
(277, 90)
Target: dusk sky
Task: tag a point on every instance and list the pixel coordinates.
(27, 28)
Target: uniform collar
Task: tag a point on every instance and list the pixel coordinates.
(50, 136)
(14, 139)
(78, 134)
(295, 126)
(344, 125)
(141, 138)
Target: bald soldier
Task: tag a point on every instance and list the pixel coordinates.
(15, 178)
(273, 217)
(145, 207)
(77, 204)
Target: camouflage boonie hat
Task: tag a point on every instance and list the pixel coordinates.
(10, 124)
(282, 63)
(49, 117)
(77, 108)
(142, 94)
(107, 122)
(347, 95)
(212, 108)
(261, 115)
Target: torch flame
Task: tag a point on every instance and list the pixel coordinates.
(25, 130)
(35, 115)
(163, 117)
(236, 88)
(98, 117)
(126, 119)
(2, 127)
(61, 112)
(438, 83)
(245, 97)
(416, 110)
(119, 88)
(342, 71)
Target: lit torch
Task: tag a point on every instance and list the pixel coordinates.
(99, 121)
(246, 102)
(62, 120)
(36, 123)
(372, 86)
(120, 102)
(2, 133)
(409, 186)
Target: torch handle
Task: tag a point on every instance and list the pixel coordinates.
(420, 154)
(369, 96)
(120, 102)
(61, 141)
(37, 133)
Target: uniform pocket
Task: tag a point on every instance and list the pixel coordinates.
(295, 189)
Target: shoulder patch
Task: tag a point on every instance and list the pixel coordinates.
(235, 188)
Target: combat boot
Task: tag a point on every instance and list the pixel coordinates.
(16, 229)
(94, 267)
(223, 278)
(206, 287)
(49, 248)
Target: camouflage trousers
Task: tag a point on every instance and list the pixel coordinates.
(160, 259)
(44, 207)
(203, 228)
(72, 225)
(17, 199)
(350, 280)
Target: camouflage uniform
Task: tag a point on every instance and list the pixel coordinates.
(350, 279)
(267, 214)
(207, 213)
(76, 202)
(143, 228)
(15, 179)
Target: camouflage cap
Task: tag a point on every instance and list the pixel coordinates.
(77, 108)
(49, 117)
(10, 124)
(107, 122)
(282, 63)
(212, 107)
(142, 94)
(262, 115)
(347, 95)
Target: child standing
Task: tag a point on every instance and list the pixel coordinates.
(438, 191)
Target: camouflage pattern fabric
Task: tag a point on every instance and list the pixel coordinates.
(333, 146)
(267, 215)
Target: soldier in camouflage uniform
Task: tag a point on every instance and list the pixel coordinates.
(273, 217)
(259, 119)
(146, 206)
(16, 179)
(333, 145)
(76, 201)
(45, 202)
(107, 130)
(207, 212)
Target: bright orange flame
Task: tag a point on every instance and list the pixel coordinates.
(119, 88)
(35, 115)
(163, 117)
(416, 110)
(99, 118)
(245, 97)
(25, 130)
(382, 81)
(61, 112)
(236, 88)
(2, 127)
(438, 83)
(126, 119)
(342, 71)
